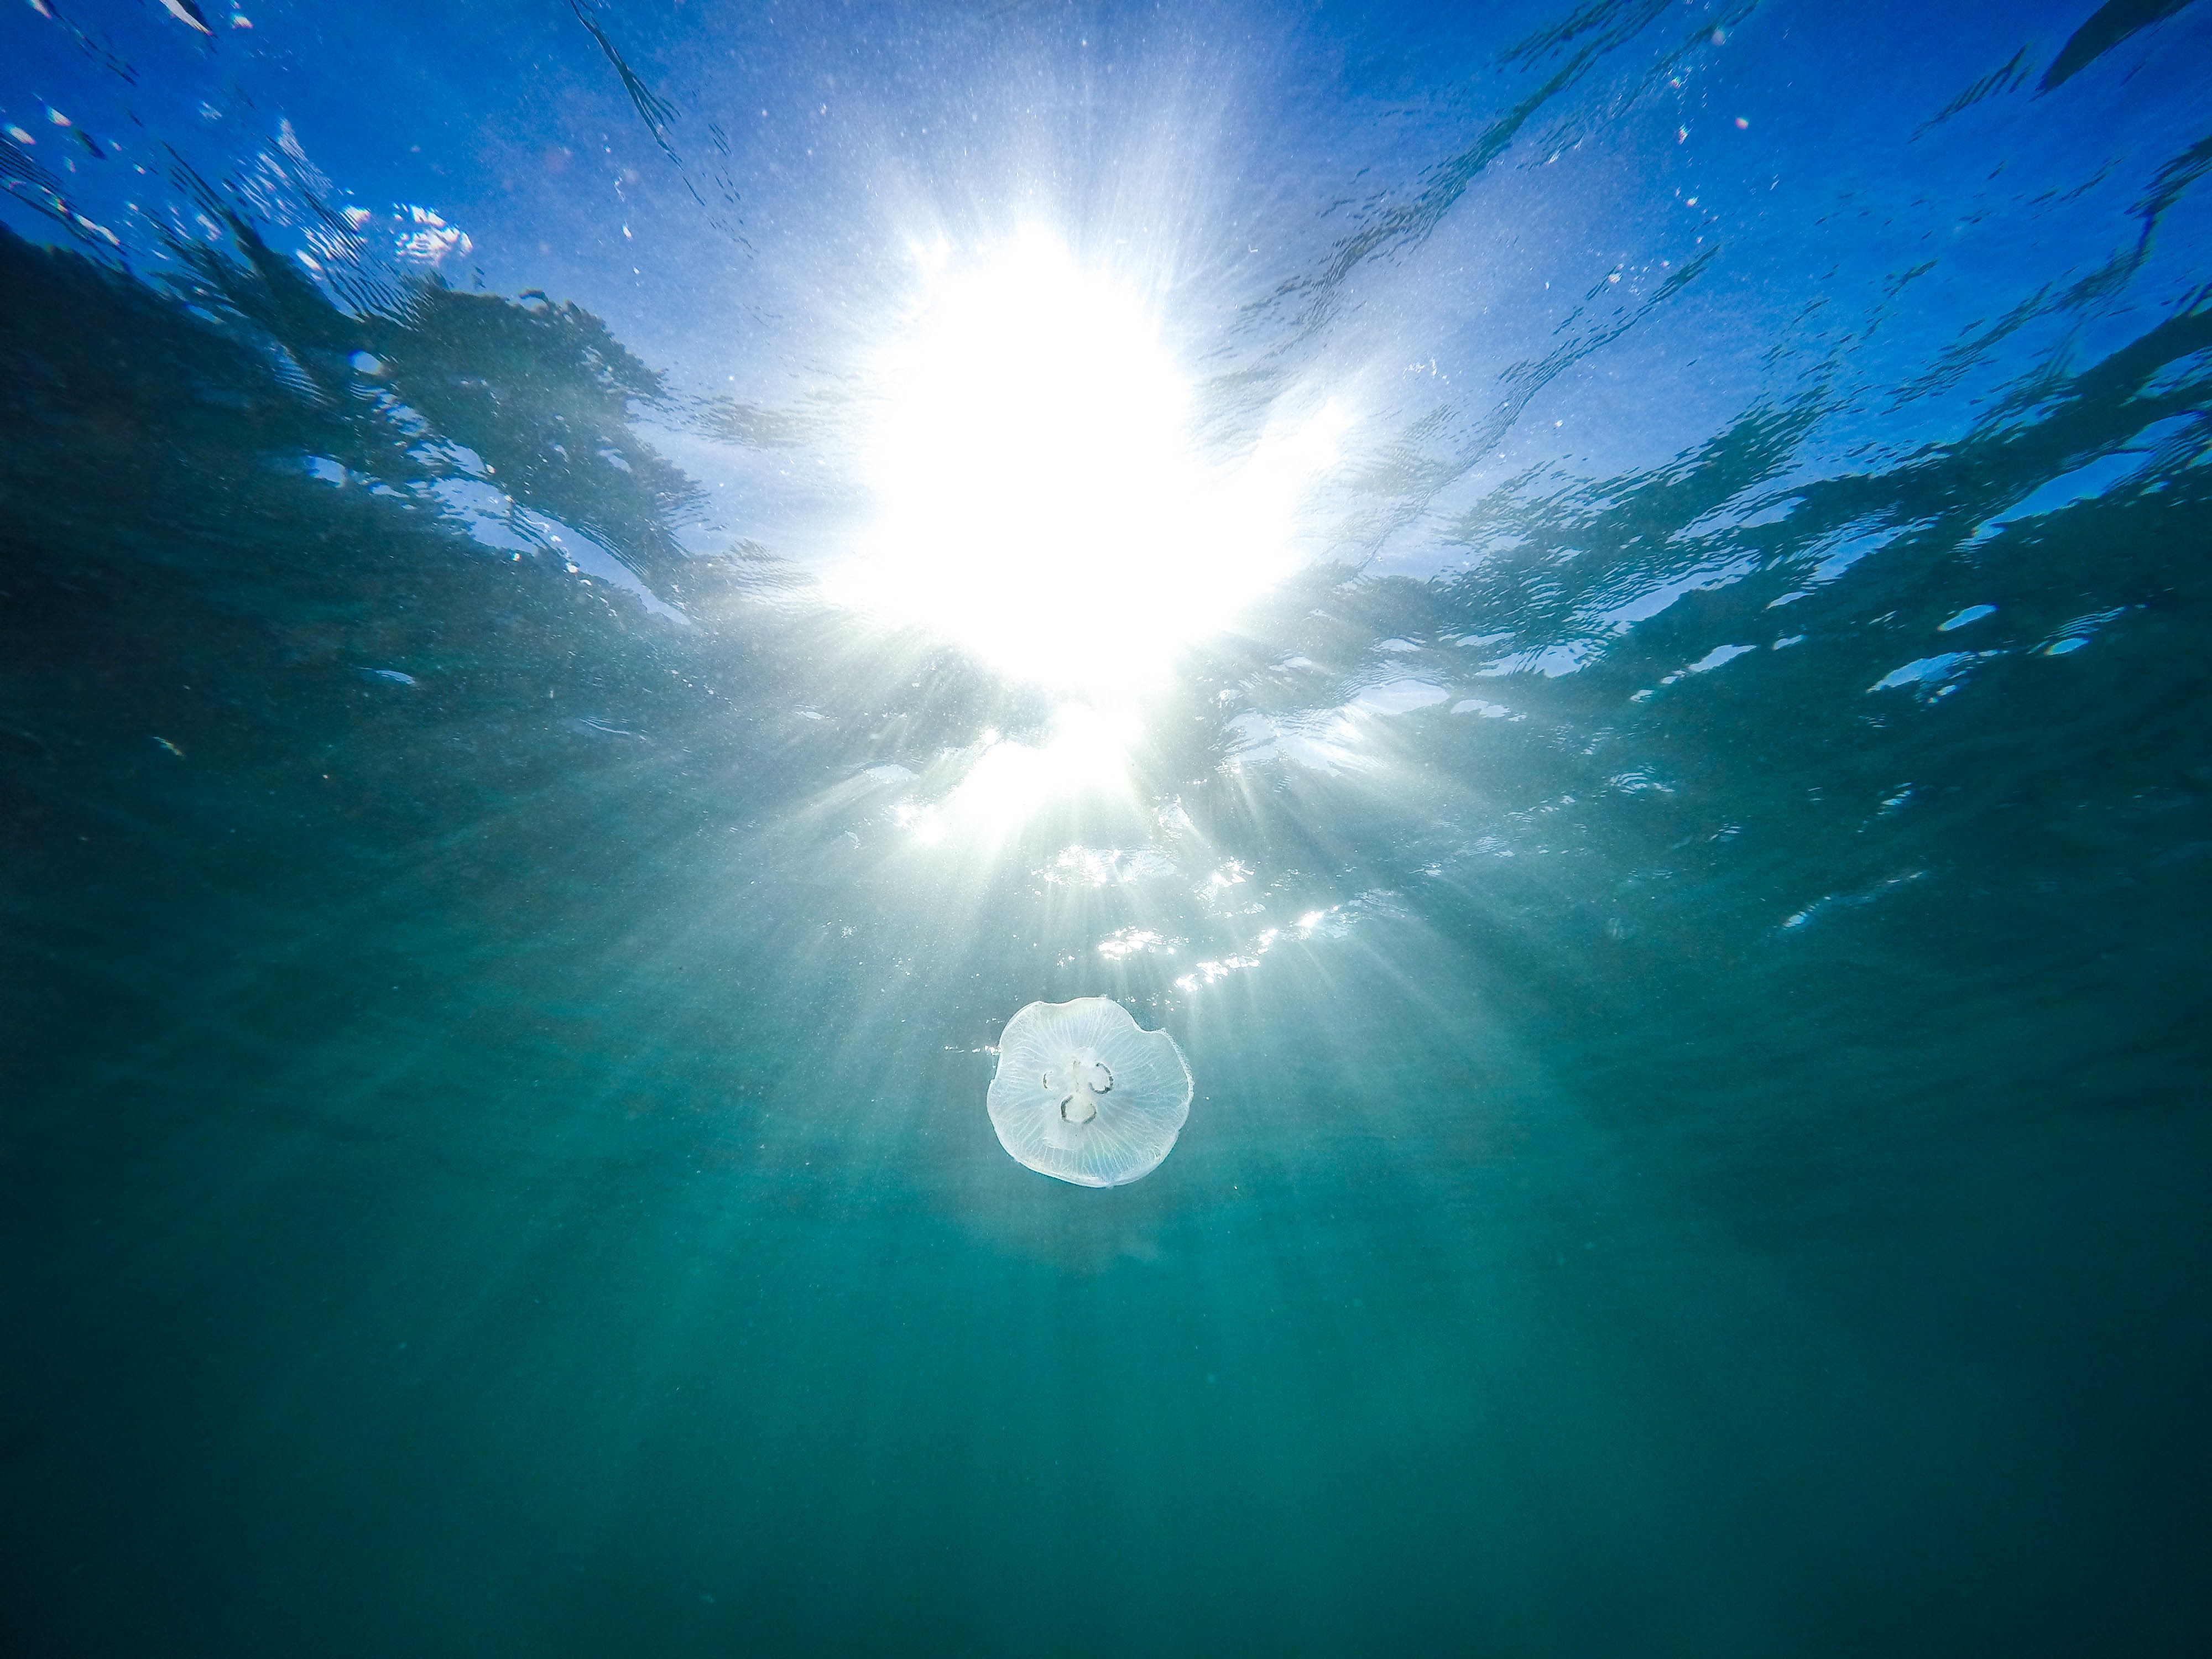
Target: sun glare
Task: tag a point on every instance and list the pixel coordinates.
(1086, 751)
(1039, 500)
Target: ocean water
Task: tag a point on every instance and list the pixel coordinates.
(1601, 609)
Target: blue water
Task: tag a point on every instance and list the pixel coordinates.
(1684, 897)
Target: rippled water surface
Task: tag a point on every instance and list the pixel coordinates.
(1600, 609)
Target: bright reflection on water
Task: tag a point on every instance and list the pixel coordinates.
(1040, 500)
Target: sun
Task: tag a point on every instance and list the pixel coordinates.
(1039, 497)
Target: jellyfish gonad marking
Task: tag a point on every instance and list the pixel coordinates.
(1081, 1082)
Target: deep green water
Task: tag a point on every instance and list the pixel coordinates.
(499, 1164)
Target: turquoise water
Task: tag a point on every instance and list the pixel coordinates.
(1685, 909)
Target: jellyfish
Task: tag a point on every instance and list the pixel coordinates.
(1084, 1094)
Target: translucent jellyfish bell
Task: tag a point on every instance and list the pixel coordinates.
(1084, 1094)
